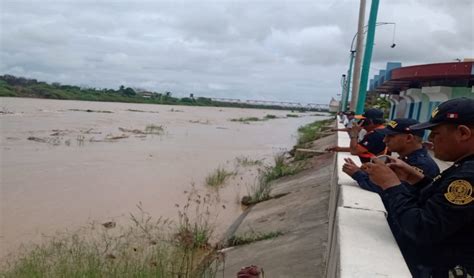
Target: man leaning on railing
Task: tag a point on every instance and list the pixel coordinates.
(441, 218)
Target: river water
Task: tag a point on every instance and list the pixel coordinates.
(67, 163)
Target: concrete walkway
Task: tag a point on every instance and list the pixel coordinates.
(301, 215)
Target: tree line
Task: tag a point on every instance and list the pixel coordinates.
(12, 86)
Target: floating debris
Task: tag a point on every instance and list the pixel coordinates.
(38, 139)
(90, 110)
(109, 225)
(116, 137)
(135, 110)
(136, 131)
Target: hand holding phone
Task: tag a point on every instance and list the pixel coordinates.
(384, 158)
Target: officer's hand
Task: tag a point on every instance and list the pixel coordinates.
(405, 171)
(380, 174)
(355, 129)
(350, 167)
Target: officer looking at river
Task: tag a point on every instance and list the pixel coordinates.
(441, 219)
(407, 143)
(372, 143)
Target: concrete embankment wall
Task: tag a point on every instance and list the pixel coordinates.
(360, 243)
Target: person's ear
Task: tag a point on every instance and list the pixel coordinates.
(464, 132)
(410, 137)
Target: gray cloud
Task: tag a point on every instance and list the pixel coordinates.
(274, 50)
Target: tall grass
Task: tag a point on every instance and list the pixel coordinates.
(154, 129)
(245, 161)
(246, 120)
(311, 132)
(146, 248)
(261, 191)
(218, 177)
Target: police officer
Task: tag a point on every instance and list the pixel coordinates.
(441, 219)
(407, 143)
(400, 138)
(372, 143)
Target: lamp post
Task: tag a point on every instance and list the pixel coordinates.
(342, 105)
(369, 46)
(351, 63)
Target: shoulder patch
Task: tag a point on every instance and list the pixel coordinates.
(459, 192)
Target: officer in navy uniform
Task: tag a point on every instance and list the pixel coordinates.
(441, 219)
(372, 143)
(407, 143)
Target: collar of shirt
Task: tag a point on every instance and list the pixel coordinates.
(413, 155)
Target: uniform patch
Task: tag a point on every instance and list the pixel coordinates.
(459, 192)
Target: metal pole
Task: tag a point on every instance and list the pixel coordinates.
(348, 82)
(358, 56)
(343, 95)
(369, 46)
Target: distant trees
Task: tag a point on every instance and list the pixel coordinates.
(129, 92)
(12, 86)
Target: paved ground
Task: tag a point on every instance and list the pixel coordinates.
(301, 215)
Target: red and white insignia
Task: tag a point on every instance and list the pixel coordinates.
(452, 115)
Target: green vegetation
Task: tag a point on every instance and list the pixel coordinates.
(312, 131)
(309, 133)
(246, 120)
(261, 191)
(154, 129)
(251, 237)
(281, 169)
(12, 86)
(292, 116)
(218, 177)
(147, 248)
(245, 161)
(270, 116)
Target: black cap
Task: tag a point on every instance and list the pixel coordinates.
(401, 126)
(373, 113)
(456, 111)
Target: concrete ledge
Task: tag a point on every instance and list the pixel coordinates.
(358, 198)
(367, 247)
(359, 238)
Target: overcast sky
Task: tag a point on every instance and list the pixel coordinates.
(264, 50)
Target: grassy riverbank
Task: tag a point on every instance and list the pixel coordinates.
(11, 86)
(146, 246)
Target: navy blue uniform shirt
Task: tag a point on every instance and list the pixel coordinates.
(419, 159)
(422, 161)
(440, 219)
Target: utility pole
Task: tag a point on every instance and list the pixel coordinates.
(358, 55)
(369, 46)
(348, 83)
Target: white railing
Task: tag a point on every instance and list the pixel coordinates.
(360, 242)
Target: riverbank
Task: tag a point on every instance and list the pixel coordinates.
(297, 217)
(12, 86)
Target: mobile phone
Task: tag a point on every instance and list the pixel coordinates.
(384, 158)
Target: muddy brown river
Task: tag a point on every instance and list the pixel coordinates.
(67, 163)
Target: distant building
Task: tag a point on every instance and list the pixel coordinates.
(333, 105)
